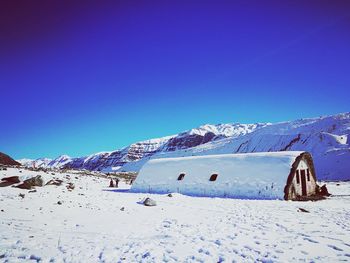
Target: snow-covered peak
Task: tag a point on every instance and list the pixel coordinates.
(37, 163)
(226, 130)
(62, 157)
(96, 156)
(338, 124)
(25, 161)
(60, 161)
(156, 140)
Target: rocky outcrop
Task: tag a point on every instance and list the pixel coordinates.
(185, 141)
(7, 181)
(324, 191)
(31, 182)
(7, 160)
(149, 202)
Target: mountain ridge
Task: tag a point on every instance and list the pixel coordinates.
(7, 160)
(326, 137)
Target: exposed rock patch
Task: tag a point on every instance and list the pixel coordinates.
(31, 182)
(149, 202)
(7, 181)
(56, 182)
(7, 160)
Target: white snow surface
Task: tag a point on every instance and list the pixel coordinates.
(90, 226)
(25, 161)
(40, 162)
(229, 130)
(251, 175)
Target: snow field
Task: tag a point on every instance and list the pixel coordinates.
(91, 226)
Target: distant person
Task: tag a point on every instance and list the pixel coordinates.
(111, 184)
(131, 181)
(116, 182)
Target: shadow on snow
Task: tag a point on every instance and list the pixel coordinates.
(116, 190)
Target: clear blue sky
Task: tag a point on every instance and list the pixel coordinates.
(78, 77)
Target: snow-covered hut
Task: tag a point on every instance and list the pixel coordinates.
(271, 175)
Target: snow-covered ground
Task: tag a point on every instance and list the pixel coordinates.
(99, 224)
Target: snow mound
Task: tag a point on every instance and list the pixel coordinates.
(252, 176)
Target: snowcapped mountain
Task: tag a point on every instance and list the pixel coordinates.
(111, 161)
(207, 133)
(46, 162)
(59, 161)
(326, 138)
(37, 163)
(116, 160)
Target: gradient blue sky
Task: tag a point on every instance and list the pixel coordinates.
(78, 77)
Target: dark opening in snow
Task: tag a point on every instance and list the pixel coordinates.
(213, 177)
(181, 176)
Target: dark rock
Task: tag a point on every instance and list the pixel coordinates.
(59, 202)
(324, 191)
(170, 195)
(111, 183)
(303, 210)
(4, 184)
(32, 191)
(24, 186)
(149, 202)
(54, 182)
(35, 181)
(21, 195)
(122, 209)
(31, 182)
(70, 186)
(11, 179)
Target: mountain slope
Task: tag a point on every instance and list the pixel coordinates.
(60, 161)
(37, 163)
(326, 138)
(111, 161)
(7, 160)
